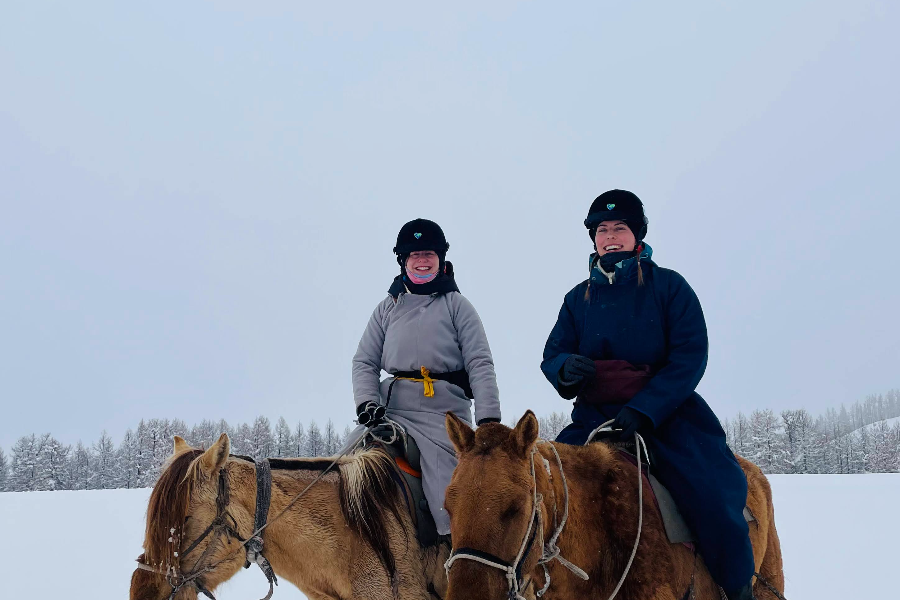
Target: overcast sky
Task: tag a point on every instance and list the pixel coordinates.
(199, 200)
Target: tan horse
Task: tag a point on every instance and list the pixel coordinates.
(491, 498)
(348, 537)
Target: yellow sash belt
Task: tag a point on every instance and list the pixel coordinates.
(426, 380)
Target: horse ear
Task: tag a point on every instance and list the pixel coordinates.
(214, 458)
(180, 445)
(460, 433)
(526, 432)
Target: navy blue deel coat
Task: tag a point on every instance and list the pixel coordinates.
(660, 324)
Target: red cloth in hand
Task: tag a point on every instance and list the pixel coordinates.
(616, 382)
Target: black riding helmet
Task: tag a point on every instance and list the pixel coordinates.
(420, 235)
(618, 205)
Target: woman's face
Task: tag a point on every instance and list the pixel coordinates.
(423, 263)
(614, 236)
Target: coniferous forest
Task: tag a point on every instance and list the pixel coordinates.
(864, 438)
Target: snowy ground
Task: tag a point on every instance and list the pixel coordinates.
(839, 535)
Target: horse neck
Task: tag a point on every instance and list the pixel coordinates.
(584, 539)
(289, 520)
(582, 472)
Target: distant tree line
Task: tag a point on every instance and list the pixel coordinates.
(858, 440)
(855, 440)
(40, 462)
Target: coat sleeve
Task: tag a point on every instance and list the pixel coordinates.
(687, 352)
(562, 343)
(367, 360)
(478, 359)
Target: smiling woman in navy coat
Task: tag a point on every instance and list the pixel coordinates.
(630, 344)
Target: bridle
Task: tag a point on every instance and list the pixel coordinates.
(225, 524)
(550, 551)
(253, 545)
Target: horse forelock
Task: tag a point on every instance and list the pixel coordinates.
(369, 497)
(491, 436)
(167, 509)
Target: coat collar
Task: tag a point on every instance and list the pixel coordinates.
(442, 284)
(625, 270)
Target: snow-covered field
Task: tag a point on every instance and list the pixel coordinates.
(839, 534)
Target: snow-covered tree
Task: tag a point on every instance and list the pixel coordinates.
(859, 450)
(154, 448)
(768, 448)
(4, 471)
(552, 424)
(300, 441)
(315, 446)
(54, 464)
(331, 442)
(741, 437)
(241, 442)
(24, 464)
(203, 435)
(104, 475)
(885, 448)
(128, 457)
(262, 444)
(284, 443)
(81, 467)
(798, 429)
(345, 436)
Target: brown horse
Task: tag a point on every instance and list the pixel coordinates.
(497, 500)
(348, 537)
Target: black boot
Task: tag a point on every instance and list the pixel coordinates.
(744, 593)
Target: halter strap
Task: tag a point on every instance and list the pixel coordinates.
(491, 560)
(255, 543)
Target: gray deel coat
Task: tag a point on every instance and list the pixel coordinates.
(443, 333)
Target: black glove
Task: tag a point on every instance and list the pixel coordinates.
(576, 370)
(488, 420)
(630, 421)
(369, 413)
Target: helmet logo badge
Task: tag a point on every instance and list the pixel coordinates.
(610, 206)
(417, 235)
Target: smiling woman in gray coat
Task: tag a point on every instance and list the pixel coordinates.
(431, 342)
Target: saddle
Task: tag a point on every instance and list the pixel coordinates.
(677, 529)
(394, 440)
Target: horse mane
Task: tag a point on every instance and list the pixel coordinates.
(369, 495)
(169, 503)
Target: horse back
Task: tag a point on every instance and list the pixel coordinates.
(763, 535)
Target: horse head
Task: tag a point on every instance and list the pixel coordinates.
(195, 513)
(495, 510)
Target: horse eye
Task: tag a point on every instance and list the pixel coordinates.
(511, 512)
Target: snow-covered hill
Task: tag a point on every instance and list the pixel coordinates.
(838, 534)
(888, 422)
